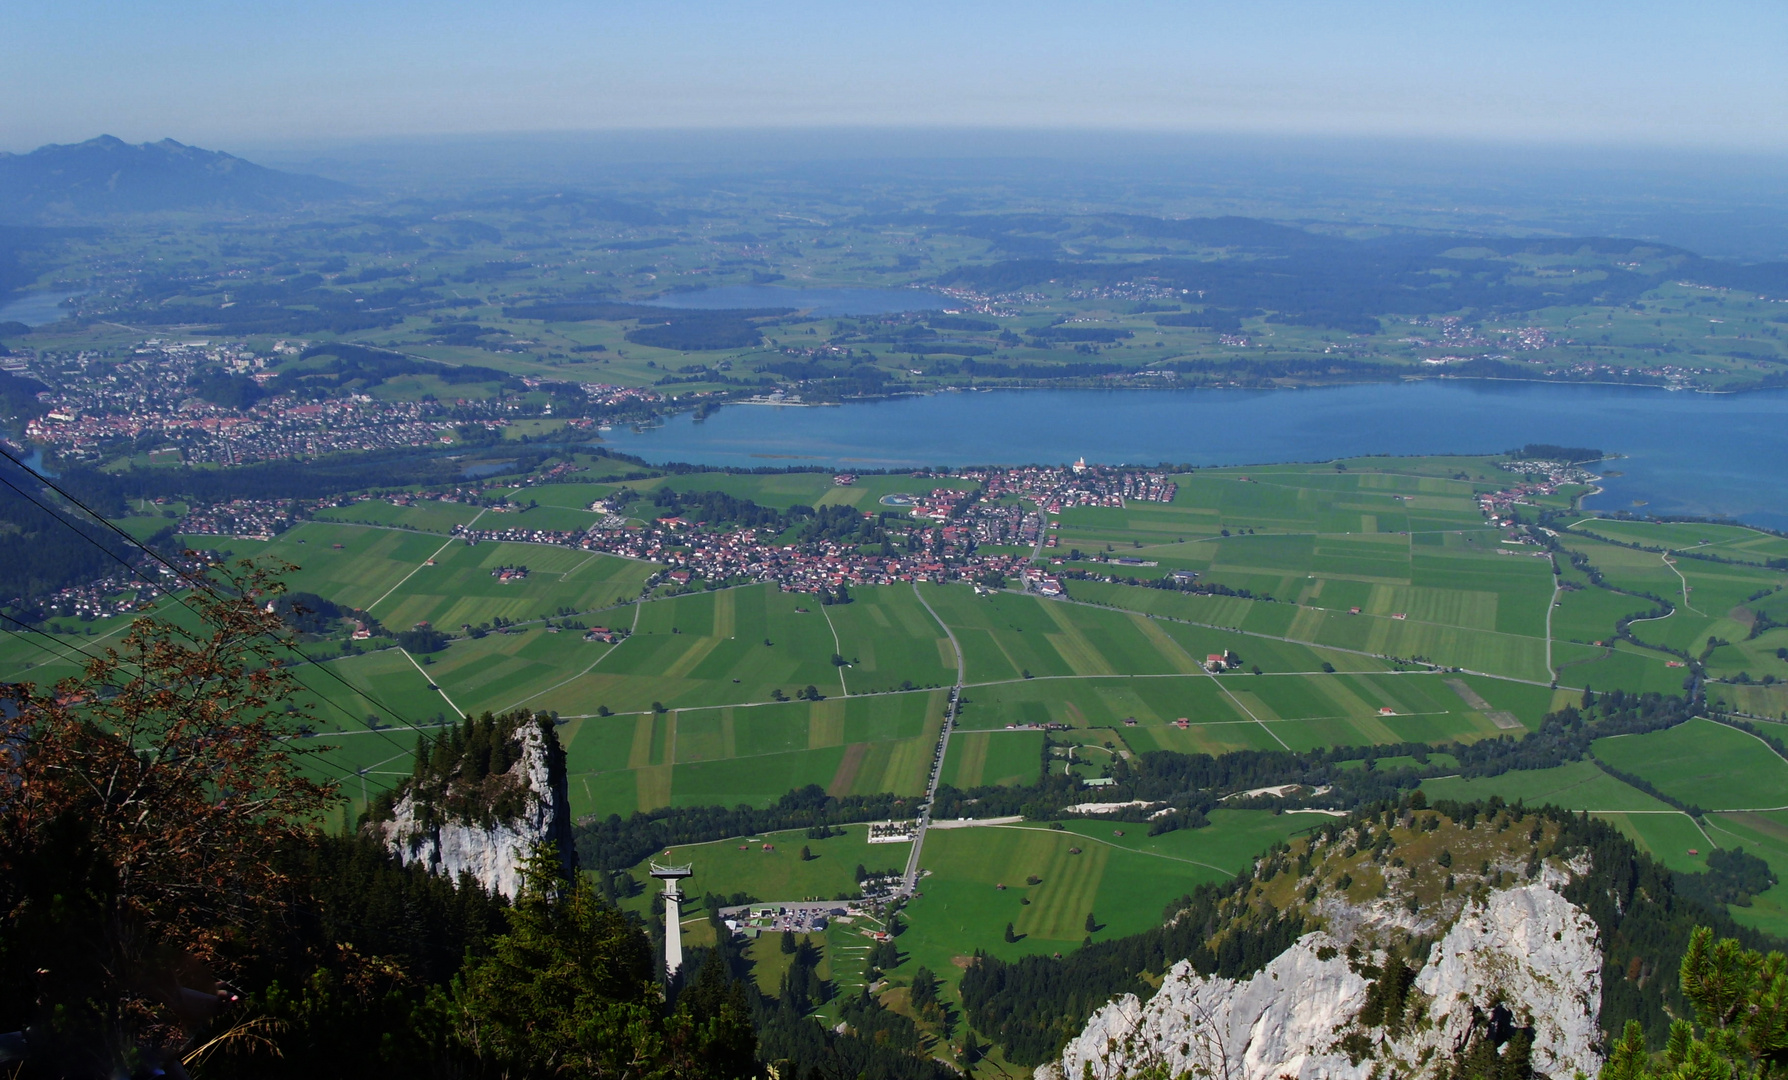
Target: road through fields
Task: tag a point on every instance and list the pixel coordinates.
(910, 882)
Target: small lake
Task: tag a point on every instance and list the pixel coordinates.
(1683, 453)
(822, 302)
(34, 308)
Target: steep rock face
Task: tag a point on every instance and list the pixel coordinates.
(1541, 954)
(492, 851)
(1527, 948)
(1279, 1022)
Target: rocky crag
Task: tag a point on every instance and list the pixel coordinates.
(1525, 961)
(484, 795)
(1430, 944)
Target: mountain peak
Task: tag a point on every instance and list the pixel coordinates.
(106, 175)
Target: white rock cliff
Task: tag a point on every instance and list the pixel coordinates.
(1526, 948)
(490, 852)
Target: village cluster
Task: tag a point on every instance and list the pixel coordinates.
(691, 553)
(951, 527)
(120, 593)
(250, 519)
(1499, 506)
(98, 407)
(1079, 484)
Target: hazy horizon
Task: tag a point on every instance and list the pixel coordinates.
(1595, 73)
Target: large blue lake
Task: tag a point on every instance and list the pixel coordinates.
(1683, 453)
(34, 308)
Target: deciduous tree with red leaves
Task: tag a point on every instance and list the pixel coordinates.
(141, 807)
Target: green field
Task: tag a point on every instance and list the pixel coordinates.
(1240, 711)
(1722, 541)
(1770, 701)
(427, 516)
(806, 488)
(1766, 836)
(1704, 764)
(994, 757)
(1672, 839)
(1124, 882)
(889, 639)
(729, 755)
(1710, 598)
(743, 865)
(1452, 626)
(1580, 785)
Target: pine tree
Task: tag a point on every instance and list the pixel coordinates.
(1737, 994)
(442, 757)
(569, 989)
(924, 992)
(478, 750)
(710, 1033)
(1011, 935)
(503, 750)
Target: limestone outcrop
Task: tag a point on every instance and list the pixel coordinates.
(517, 810)
(1522, 958)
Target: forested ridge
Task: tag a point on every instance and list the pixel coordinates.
(168, 901)
(37, 556)
(196, 917)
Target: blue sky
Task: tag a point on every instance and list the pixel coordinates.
(1707, 74)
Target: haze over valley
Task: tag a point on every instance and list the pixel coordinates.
(1144, 542)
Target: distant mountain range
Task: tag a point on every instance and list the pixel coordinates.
(107, 176)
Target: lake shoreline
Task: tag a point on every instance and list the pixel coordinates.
(1671, 463)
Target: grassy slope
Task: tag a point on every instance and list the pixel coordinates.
(1704, 764)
